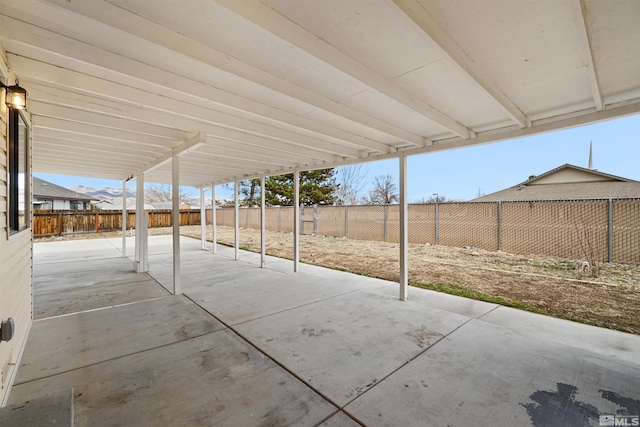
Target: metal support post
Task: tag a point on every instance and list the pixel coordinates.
(214, 237)
(263, 221)
(404, 230)
(236, 222)
(175, 214)
(124, 218)
(296, 220)
(141, 263)
(203, 221)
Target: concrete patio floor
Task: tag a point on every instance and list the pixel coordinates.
(245, 346)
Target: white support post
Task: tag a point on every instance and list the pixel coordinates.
(203, 221)
(263, 219)
(124, 218)
(404, 230)
(175, 214)
(141, 263)
(214, 237)
(236, 222)
(296, 221)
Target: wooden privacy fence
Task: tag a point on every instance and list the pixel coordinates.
(559, 228)
(51, 223)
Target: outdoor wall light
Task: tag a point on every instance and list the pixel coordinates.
(16, 96)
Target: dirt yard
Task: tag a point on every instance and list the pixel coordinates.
(543, 284)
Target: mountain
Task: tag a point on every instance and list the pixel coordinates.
(107, 194)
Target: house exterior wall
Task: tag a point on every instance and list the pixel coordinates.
(570, 175)
(61, 205)
(16, 261)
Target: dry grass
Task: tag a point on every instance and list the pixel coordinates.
(542, 284)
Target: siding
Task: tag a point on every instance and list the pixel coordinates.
(16, 260)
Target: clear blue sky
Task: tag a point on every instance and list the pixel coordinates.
(459, 174)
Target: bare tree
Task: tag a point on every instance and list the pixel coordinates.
(384, 191)
(351, 182)
(162, 193)
(434, 199)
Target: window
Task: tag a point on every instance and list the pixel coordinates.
(18, 176)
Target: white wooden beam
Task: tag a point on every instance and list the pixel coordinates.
(404, 229)
(38, 108)
(88, 129)
(159, 35)
(45, 74)
(424, 24)
(263, 16)
(187, 146)
(584, 39)
(175, 215)
(57, 102)
(132, 73)
(296, 221)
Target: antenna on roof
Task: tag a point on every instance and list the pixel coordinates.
(590, 154)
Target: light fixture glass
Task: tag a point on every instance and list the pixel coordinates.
(16, 96)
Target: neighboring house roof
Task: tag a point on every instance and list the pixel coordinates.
(48, 190)
(165, 206)
(568, 182)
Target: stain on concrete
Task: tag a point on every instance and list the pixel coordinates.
(560, 408)
(422, 336)
(311, 332)
(628, 406)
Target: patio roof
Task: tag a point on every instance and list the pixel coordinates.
(252, 88)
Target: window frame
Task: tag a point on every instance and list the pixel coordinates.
(15, 167)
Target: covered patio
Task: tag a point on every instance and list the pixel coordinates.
(246, 345)
(203, 93)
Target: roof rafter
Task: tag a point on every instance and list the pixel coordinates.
(263, 16)
(159, 35)
(577, 9)
(133, 73)
(449, 49)
(187, 146)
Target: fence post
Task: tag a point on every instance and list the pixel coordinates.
(279, 209)
(610, 232)
(346, 222)
(60, 224)
(437, 225)
(499, 225)
(246, 219)
(315, 220)
(385, 223)
(302, 219)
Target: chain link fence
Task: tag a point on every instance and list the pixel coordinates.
(608, 229)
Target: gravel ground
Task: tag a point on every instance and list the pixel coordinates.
(544, 284)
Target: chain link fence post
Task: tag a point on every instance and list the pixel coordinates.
(499, 225)
(385, 222)
(437, 224)
(346, 222)
(315, 220)
(610, 231)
